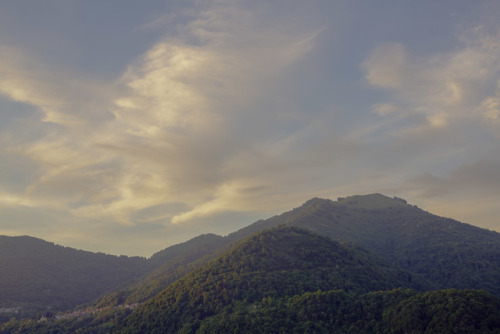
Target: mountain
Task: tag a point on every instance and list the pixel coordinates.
(290, 280)
(446, 252)
(275, 263)
(449, 253)
(398, 244)
(40, 276)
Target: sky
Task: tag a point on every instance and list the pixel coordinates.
(128, 126)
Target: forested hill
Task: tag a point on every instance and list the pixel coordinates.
(275, 263)
(41, 276)
(168, 265)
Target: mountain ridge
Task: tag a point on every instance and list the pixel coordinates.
(350, 252)
(450, 253)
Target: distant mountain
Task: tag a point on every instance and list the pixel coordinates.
(280, 262)
(40, 276)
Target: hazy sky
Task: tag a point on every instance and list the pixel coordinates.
(127, 126)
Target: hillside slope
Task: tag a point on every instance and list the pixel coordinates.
(168, 265)
(274, 263)
(41, 276)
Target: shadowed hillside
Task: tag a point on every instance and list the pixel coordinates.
(41, 276)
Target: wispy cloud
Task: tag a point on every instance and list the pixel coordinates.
(176, 114)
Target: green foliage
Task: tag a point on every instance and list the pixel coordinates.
(446, 311)
(104, 322)
(168, 265)
(397, 311)
(272, 264)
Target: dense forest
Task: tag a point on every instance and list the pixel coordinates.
(361, 264)
(394, 311)
(272, 264)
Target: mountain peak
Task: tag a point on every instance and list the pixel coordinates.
(371, 201)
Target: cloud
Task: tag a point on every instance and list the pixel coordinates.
(174, 128)
(444, 88)
(57, 96)
(437, 129)
(239, 109)
(184, 104)
(386, 66)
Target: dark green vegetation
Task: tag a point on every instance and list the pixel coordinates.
(272, 264)
(362, 264)
(396, 311)
(170, 264)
